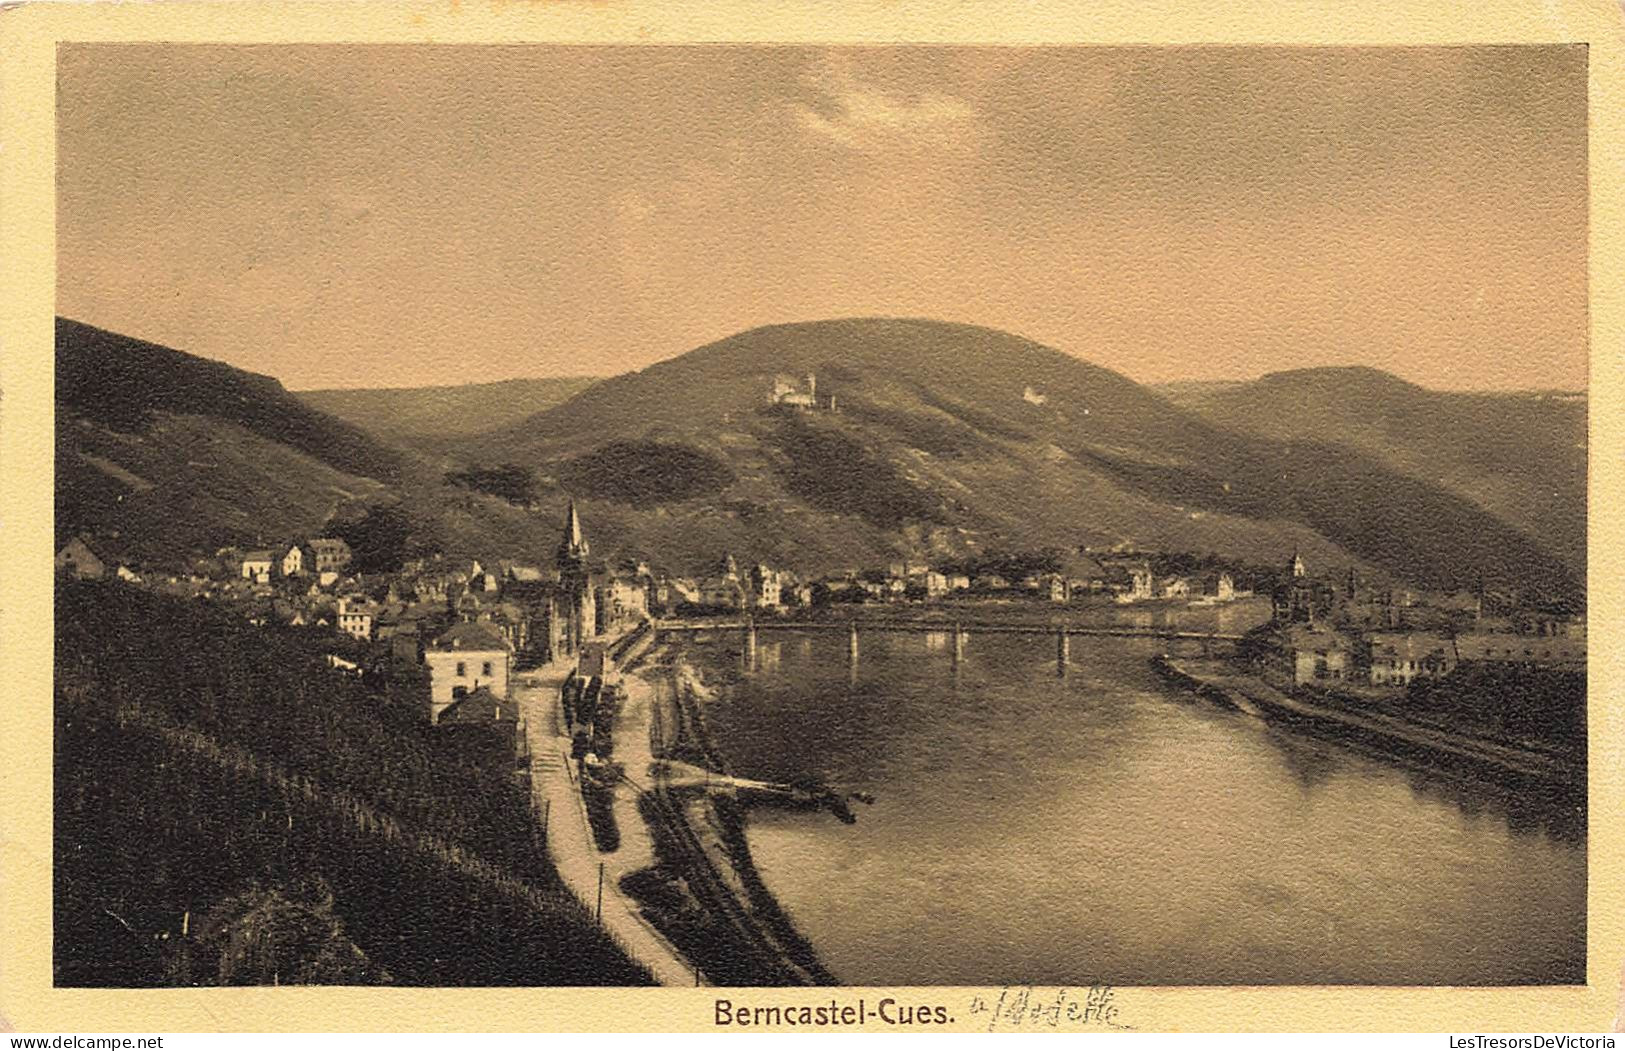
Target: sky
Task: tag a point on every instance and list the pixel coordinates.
(406, 215)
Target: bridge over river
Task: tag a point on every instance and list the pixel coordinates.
(966, 627)
(956, 630)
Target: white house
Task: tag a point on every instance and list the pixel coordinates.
(766, 587)
(257, 566)
(1140, 583)
(465, 657)
(356, 617)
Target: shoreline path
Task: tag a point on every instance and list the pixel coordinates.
(554, 792)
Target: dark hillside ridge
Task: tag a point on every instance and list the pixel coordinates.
(191, 484)
(1522, 456)
(119, 382)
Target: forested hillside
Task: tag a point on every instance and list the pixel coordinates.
(230, 810)
(1521, 455)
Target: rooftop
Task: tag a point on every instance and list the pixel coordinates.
(470, 636)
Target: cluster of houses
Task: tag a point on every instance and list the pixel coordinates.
(469, 625)
(1386, 638)
(1123, 577)
(543, 613)
(321, 557)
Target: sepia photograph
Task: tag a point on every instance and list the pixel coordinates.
(933, 515)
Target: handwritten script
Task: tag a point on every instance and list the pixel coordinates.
(1020, 1007)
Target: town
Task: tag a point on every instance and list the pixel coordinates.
(471, 625)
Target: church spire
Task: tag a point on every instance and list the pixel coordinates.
(573, 547)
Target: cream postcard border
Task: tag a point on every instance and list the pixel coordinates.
(29, 34)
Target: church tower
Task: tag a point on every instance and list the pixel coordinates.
(573, 548)
(1297, 564)
(577, 603)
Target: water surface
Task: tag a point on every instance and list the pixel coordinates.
(1101, 826)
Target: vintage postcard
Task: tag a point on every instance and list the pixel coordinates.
(856, 521)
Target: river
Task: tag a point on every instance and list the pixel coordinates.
(1101, 826)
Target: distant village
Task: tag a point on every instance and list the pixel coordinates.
(469, 625)
(1340, 631)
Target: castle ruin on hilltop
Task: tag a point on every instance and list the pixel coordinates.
(790, 393)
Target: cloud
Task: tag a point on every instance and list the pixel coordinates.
(859, 116)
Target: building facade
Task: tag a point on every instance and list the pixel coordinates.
(257, 566)
(464, 658)
(1398, 658)
(357, 618)
(724, 590)
(328, 553)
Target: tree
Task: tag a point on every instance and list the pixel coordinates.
(379, 540)
(509, 481)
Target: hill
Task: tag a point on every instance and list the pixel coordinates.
(162, 451)
(952, 438)
(946, 440)
(422, 418)
(119, 383)
(230, 810)
(1520, 456)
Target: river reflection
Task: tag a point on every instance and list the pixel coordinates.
(1102, 827)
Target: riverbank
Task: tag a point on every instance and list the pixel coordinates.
(1402, 739)
(702, 889)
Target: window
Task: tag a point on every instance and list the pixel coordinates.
(462, 669)
(485, 669)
